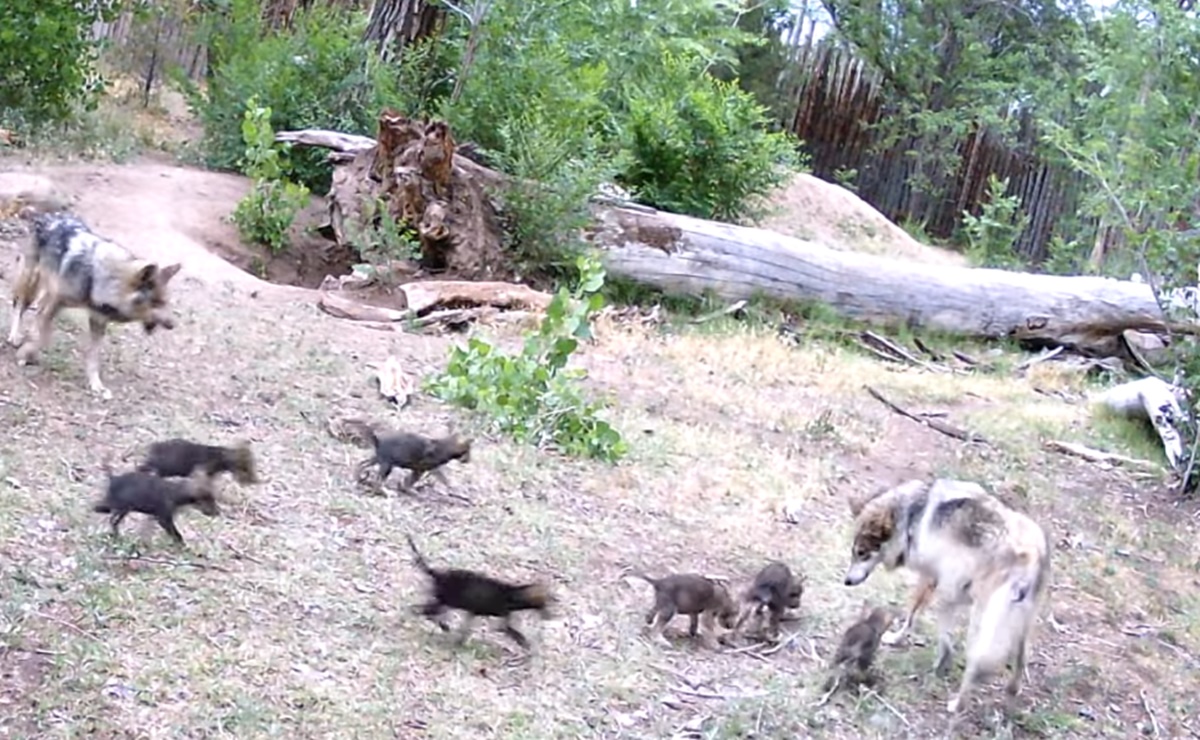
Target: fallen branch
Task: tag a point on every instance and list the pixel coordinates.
(891, 347)
(732, 308)
(933, 355)
(714, 695)
(172, 563)
(1093, 455)
(1047, 355)
(937, 425)
(343, 308)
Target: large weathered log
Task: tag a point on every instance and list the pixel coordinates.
(691, 256)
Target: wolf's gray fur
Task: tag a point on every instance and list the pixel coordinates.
(67, 265)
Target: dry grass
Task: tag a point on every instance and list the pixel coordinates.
(305, 628)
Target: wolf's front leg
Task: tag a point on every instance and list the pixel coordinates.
(96, 329)
(920, 599)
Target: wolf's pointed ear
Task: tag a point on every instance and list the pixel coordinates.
(858, 501)
(145, 275)
(168, 272)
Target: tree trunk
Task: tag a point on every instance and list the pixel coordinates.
(394, 24)
(450, 205)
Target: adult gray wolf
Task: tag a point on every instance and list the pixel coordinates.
(67, 265)
(968, 549)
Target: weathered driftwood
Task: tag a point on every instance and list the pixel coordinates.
(451, 208)
(1157, 401)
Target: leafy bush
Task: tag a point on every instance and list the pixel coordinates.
(47, 58)
(531, 395)
(700, 146)
(268, 210)
(320, 74)
(992, 234)
(384, 240)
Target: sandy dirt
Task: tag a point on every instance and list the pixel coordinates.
(813, 209)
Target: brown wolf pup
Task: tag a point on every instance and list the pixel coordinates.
(479, 595)
(179, 458)
(412, 452)
(158, 497)
(691, 594)
(857, 650)
(776, 590)
(66, 265)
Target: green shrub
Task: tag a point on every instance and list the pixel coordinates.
(268, 210)
(992, 235)
(700, 146)
(47, 59)
(531, 395)
(320, 74)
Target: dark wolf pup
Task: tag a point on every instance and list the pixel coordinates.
(158, 497)
(66, 265)
(179, 458)
(479, 595)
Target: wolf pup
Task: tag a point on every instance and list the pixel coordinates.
(179, 458)
(776, 590)
(691, 594)
(412, 452)
(66, 265)
(856, 652)
(159, 497)
(969, 550)
(479, 595)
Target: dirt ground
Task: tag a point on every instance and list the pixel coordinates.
(290, 616)
(811, 208)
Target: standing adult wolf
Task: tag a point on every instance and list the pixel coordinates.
(67, 265)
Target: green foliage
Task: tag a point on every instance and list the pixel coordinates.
(385, 240)
(532, 396)
(991, 234)
(47, 58)
(268, 210)
(319, 74)
(698, 145)
(1130, 129)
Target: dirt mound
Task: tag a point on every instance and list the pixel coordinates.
(813, 209)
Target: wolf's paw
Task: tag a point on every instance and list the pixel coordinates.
(892, 638)
(27, 355)
(952, 706)
(98, 389)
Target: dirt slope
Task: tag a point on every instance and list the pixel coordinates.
(811, 208)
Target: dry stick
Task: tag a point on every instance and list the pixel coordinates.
(935, 356)
(935, 424)
(73, 627)
(1092, 455)
(828, 694)
(1050, 354)
(791, 638)
(715, 695)
(901, 352)
(731, 308)
(1150, 713)
(889, 707)
(172, 563)
(963, 356)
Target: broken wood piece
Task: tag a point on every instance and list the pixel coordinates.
(935, 424)
(345, 308)
(1043, 357)
(933, 355)
(427, 295)
(451, 317)
(1157, 401)
(964, 357)
(891, 347)
(394, 384)
(732, 308)
(1094, 455)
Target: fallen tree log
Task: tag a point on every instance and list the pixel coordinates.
(448, 198)
(690, 256)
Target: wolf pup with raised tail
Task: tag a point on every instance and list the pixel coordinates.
(66, 265)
